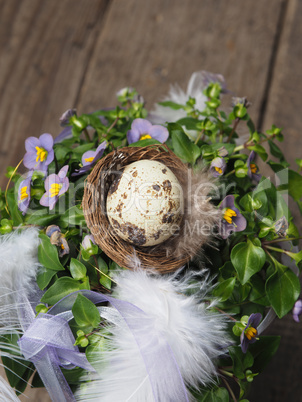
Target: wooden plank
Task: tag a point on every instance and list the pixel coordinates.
(151, 44)
(281, 380)
(45, 47)
(284, 97)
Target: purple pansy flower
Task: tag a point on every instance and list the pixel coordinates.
(250, 332)
(39, 152)
(297, 310)
(88, 241)
(218, 166)
(232, 220)
(65, 118)
(252, 168)
(58, 239)
(24, 193)
(142, 129)
(89, 158)
(55, 186)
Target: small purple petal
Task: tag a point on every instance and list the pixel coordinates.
(29, 160)
(86, 243)
(64, 119)
(239, 221)
(217, 163)
(159, 133)
(133, 136)
(88, 155)
(63, 172)
(45, 199)
(31, 143)
(100, 149)
(52, 201)
(65, 133)
(82, 170)
(46, 141)
(52, 229)
(254, 320)
(65, 186)
(297, 310)
(143, 126)
(227, 202)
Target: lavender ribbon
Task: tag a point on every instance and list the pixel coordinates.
(48, 342)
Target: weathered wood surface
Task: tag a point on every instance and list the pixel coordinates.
(57, 54)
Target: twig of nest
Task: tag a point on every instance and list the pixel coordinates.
(195, 229)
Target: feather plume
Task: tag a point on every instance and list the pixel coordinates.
(194, 333)
(196, 85)
(18, 261)
(7, 394)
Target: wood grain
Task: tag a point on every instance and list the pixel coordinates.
(151, 44)
(45, 47)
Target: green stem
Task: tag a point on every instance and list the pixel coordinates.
(228, 174)
(86, 134)
(279, 250)
(281, 239)
(229, 389)
(112, 125)
(199, 136)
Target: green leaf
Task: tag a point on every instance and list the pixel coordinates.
(12, 202)
(247, 260)
(48, 254)
(190, 123)
(144, 143)
(283, 289)
(41, 217)
(61, 288)
(171, 105)
(44, 276)
(72, 216)
(275, 150)
(183, 147)
(258, 293)
(224, 289)
(213, 395)
(77, 269)
(260, 151)
(18, 370)
(241, 361)
(263, 350)
(295, 185)
(85, 312)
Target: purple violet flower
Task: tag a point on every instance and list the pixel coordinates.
(55, 186)
(88, 241)
(142, 129)
(250, 332)
(24, 193)
(89, 158)
(233, 220)
(252, 168)
(65, 118)
(297, 310)
(39, 152)
(58, 239)
(218, 166)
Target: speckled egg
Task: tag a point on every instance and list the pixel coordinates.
(145, 204)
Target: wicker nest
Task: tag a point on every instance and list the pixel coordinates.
(165, 257)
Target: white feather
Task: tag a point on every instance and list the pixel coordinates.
(7, 393)
(196, 85)
(195, 334)
(18, 261)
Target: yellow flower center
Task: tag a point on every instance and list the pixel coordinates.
(62, 247)
(218, 169)
(55, 189)
(250, 333)
(228, 215)
(89, 159)
(23, 193)
(253, 168)
(41, 154)
(145, 137)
